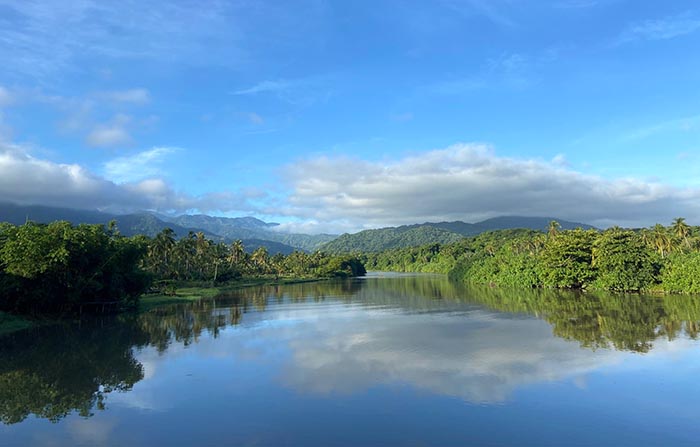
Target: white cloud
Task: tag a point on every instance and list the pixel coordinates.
(264, 87)
(29, 180)
(6, 97)
(136, 96)
(576, 4)
(255, 118)
(110, 134)
(661, 29)
(686, 124)
(138, 166)
(470, 182)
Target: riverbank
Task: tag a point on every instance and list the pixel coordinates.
(181, 293)
(190, 292)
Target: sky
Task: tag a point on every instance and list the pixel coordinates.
(334, 116)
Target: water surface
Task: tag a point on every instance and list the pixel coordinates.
(384, 360)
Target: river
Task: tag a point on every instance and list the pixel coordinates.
(384, 360)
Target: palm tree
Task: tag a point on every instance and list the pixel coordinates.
(161, 249)
(662, 241)
(237, 253)
(261, 259)
(681, 230)
(554, 228)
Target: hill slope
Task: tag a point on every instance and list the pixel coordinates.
(388, 238)
(233, 228)
(436, 232)
(129, 224)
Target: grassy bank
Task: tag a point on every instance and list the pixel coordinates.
(184, 292)
(181, 293)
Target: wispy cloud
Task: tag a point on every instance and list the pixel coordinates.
(265, 87)
(256, 119)
(6, 97)
(137, 96)
(577, 4)
(512, 70)
(299, 93)
(662, 29)
(139, 166)
(112, 134)
(492, 10)
(686, 124)
(49, 37)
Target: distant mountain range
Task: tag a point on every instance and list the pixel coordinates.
(151, 224)
(256, 233)
(436, 232)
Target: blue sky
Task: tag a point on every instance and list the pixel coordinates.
(335, 115)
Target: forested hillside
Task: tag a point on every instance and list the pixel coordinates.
(389, 238)
(370, 241)
(149, 224)
(659, 258)
(59, 268)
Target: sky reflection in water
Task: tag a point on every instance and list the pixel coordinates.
(393, 360)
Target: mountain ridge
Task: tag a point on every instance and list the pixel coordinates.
(255, 232)
(386, 238)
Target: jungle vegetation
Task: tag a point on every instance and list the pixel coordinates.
(60, 268)
(660, 258)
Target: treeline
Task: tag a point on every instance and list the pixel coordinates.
(440, 258)
(58, 267)
(659, 258)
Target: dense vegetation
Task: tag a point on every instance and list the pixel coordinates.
(253, 232)
(58, 268)
(658, 258)
(391, 238)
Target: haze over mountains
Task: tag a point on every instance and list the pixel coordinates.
(255, 232)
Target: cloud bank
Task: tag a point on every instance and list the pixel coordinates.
(30, 180)
(470, 182)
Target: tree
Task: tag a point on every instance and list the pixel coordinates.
(622, 261)
(260, 259)
(661, 240)
(237, 253)
(160, 251)
(56, 267)
(681, 230)
(553, 229)
(566, 260)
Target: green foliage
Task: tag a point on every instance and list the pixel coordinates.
(681, 273)
(57, 267)
(566, 259)
(390, 238)
(196, 258)
(623, 261)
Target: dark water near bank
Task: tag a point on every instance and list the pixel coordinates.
(394, 360)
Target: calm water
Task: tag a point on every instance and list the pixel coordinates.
(385, 360)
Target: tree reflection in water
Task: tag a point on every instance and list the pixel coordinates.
(54, 371)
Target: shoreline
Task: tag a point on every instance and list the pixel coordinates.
(183, 293)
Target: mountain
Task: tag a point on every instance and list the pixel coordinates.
(255, 232)
(132, 224)
(436, 232)
(251, 228)
(533, 223)
(392, 237)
